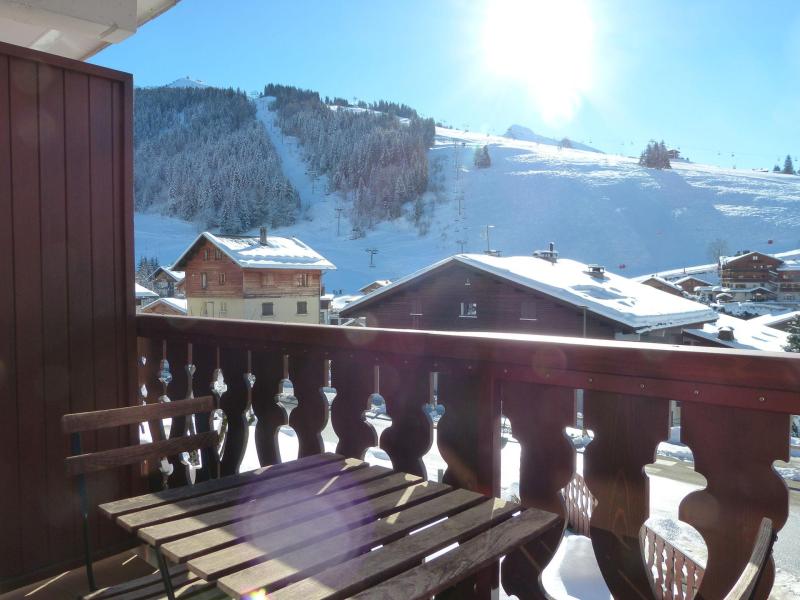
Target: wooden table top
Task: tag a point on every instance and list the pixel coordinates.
(326, 526)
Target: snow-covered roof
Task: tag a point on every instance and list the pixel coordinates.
(249, 253)
(179, 304)
(143, 292)
(746, 334)
(726, 260)
(772, 320)
(176, 276)
(689, 278)
(339, 302)
(639, 306)
(377, 283)
(663, 281)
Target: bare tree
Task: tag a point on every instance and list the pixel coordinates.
(717, 249)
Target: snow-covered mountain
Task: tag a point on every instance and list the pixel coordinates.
(186, 82)
(520, 132)
(597, 208)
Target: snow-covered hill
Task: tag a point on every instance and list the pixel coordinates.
(186, 82)
(597, 208)
(520, 132)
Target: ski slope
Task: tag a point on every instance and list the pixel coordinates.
(597, 208)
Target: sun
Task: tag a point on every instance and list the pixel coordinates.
(544, 46)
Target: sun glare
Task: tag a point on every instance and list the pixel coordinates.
(545, 46)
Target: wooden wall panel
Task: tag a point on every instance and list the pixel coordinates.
(66, 313)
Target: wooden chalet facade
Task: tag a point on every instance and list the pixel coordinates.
(750, 276)
(459, 294)
(690, 282)
(256, 278)
(168, 283)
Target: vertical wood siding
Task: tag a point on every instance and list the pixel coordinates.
(66, 303)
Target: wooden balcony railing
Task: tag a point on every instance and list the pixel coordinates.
(735, 417)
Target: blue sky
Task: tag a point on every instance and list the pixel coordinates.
(720, 80)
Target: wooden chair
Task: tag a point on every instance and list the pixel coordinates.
(80, 464)
(745, 586)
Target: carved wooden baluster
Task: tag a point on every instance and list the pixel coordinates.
(404, 387)
(149, 351)
(164, 377)
(353, 379)
(734, 449)
(309, 418)
(538, 415)
(233, 402)
(176, 353)
(468, 437)
(627, 431)
(268, 369)
(204, 359)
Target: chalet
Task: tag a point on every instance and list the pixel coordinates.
(168, 283)
(662, 284)
(732, 332)
(529, 294)
(690, 282)
(260, 278)
(788, 281)
(166, 306)
(750, 276)
(143, 295)
(781, 322)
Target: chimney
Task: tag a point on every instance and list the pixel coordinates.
(725, 334)
(263, 239)
(550, 255)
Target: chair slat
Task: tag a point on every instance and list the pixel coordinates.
(133, 415)
(118, 457)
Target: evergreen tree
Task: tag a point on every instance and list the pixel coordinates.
(793, 343)
(788, 167)
(655, 156)
(482, 159)
(776, 169)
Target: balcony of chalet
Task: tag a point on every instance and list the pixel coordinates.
(70, 341)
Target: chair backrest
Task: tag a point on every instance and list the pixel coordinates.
(81, 463)
(745, 586)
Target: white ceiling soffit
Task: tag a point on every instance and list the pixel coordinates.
(75, 28)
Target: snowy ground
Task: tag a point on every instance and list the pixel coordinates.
(598, 208)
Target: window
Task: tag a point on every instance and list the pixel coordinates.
(206, 253)
(223, 309)
(217, 254)
(528, 311)
(302, 308)
(222, 278)
(302, 280)
(467, 282)
(203, 280)
(267, 309)
(469, 310)
(267, 279)
(208, 309)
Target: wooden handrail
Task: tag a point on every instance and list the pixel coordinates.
(748, 379)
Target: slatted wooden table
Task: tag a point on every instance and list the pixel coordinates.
(325, 527)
